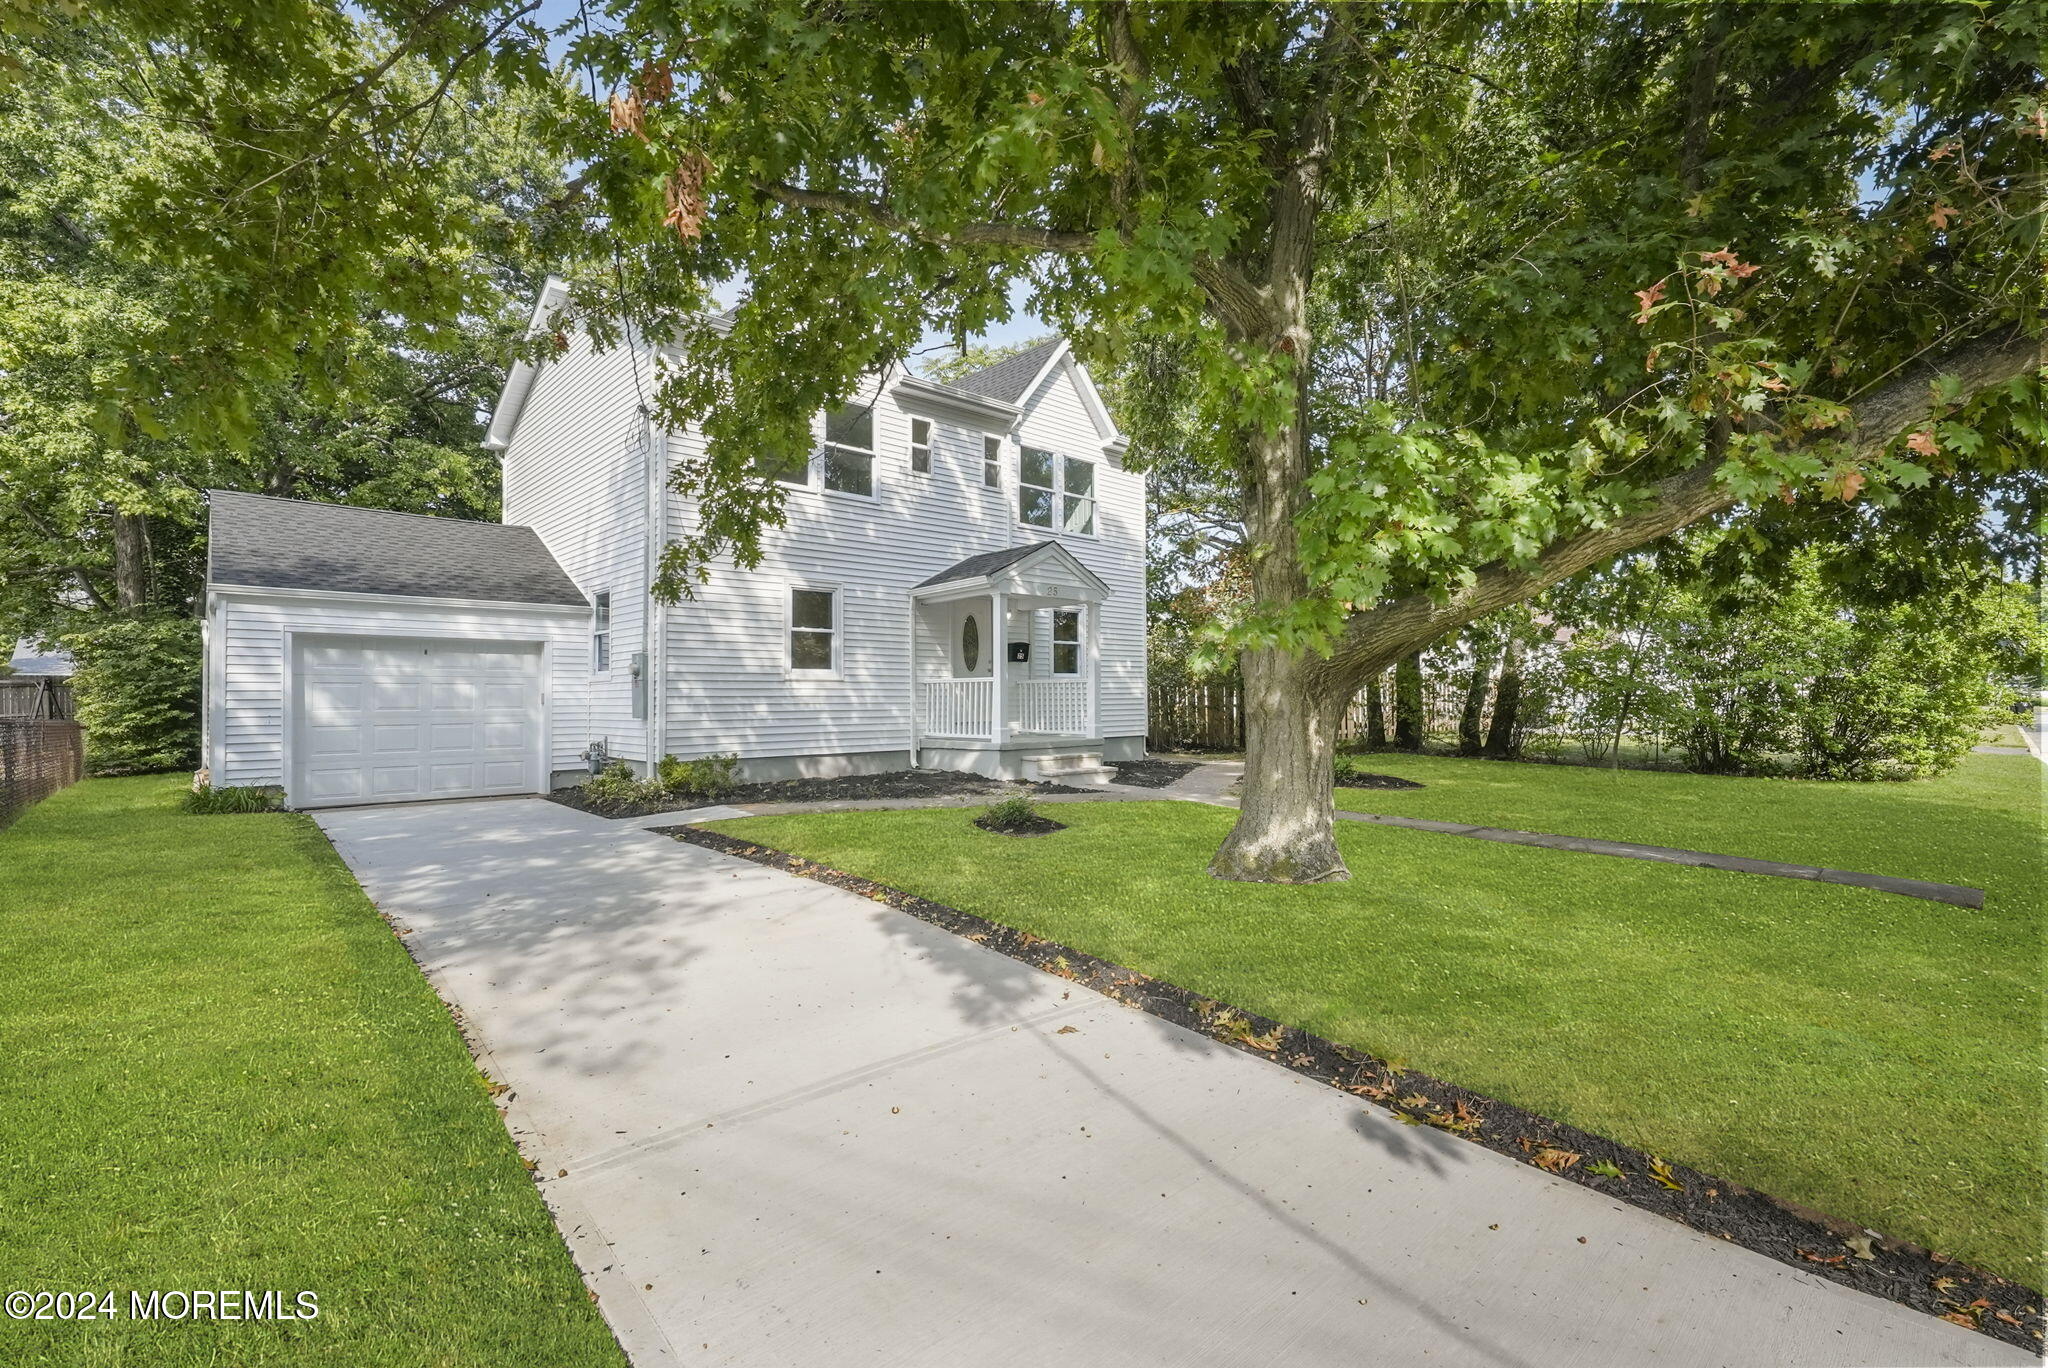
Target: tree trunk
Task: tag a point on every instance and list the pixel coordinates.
(1408, 702)
(131, 561)
(1375, 716)
(1472, 716)
(1283, 830)
(1507, 701)
(1292, 702)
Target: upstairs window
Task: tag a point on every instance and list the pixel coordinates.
(795, 470)
(1055, 492)
(1077, 496)
(813, 631)
(1035, 472)
(601, 631)
(992, 462)
(850, 450)
(921, 446)
(1066, 641)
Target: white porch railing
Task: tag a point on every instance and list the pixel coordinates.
(1055, 707)
(958, 708)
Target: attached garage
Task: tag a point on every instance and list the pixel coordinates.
(382, 720)
(359, 656)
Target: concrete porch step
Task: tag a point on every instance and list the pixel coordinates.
(1072, 767)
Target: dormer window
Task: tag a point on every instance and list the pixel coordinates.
(850, 450)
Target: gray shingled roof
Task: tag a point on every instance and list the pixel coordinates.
(1006, 379)
(293, 544)
(987, 563)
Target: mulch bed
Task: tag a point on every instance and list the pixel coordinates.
(1151, 773)
(1034, 825)
(1808, 1240)
(899, 784)
(1375, 781)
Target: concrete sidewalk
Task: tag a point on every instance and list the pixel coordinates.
(802, 1128)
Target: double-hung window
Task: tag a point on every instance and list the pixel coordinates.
(1066, 641)
(992, 462)
(921, 446)
(813, 631)
(1055, 491)
(796, 470)
(850, 450)
(601, 631)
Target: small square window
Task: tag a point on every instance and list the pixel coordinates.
(992, 462)
(921, 446)
(813, 630)
(850, 472)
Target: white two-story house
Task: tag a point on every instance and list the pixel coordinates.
(960, 585)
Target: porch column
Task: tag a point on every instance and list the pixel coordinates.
(998, 668)
(1091, 614)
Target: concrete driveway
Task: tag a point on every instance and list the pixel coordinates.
(801, 1128)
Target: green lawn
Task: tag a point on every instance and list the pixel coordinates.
(1875, 1056)
(223, 1071)
(1980, 825)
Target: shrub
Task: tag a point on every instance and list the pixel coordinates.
(1015, 810)
(615, 786)
(207, 800)
(708, 776)
(137, 693)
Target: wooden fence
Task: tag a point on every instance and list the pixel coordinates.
(1196, 717)
(35, 696)
(38, 756)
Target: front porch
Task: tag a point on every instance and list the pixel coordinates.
(1005, 656)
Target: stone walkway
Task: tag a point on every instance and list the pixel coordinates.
(1211, 781)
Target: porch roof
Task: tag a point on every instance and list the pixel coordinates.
(1041, 570)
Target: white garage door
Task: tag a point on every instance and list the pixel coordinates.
(381, 720)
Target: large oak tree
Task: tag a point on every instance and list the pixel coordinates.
(1451, 301)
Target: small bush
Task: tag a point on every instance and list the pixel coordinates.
(137, 692)
(615, 786)
(1015, 811)
(206, 800)
(708, 776)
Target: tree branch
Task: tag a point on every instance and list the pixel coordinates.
(1017, 235)
(1375, 638)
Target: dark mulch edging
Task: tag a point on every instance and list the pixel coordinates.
(1034, 825)
(851, 787)
(1375, 781)
(1808, 1240)
(1151, 773)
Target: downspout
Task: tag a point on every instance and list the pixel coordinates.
(654, 632)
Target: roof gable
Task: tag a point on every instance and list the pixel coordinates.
(1008, 568)
(1013, 377)
(255, 541)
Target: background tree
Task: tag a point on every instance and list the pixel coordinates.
(120, 401)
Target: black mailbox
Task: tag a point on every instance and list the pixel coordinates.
(1020, 651)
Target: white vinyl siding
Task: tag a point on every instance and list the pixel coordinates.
(576, 471)
(730, 687)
